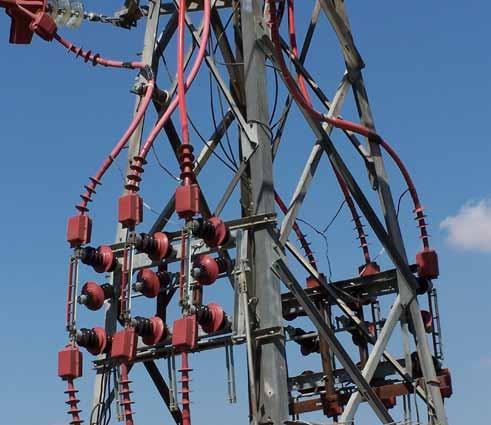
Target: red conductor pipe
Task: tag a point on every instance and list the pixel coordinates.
(304, 102)
(138, 162)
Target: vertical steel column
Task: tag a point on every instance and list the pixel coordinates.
(271, 370)
(133, 148)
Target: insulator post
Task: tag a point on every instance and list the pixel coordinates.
(185, 369)
(72, 403)
(124, 394)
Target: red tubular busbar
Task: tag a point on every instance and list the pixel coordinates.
(301, 96)
(145, 149)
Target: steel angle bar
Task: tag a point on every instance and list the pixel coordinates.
(163, 389)
(310, 168)
(282, 271)
(356, 320)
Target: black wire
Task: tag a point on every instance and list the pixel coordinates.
(222, 112)
(324, 237)
(399, 201)
(276, 94)
(192, 123)
(335, 216)
(229, 20)
(163, 167)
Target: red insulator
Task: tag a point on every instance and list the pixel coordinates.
(148, 283)
(124, 393)
(427, 261)
(79, 230)
(369, 269)
(101, 259)
(213, 231)
(72, 402)
(185, 369)
(445, 383)
(427, 319)
(212, 318)
(94, 340)
(94, 295)
(156, 246)
(152, 330)
(206, 269)
(333, 406)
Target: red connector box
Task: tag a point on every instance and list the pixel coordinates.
(124, 345)
(130, 211)
(427, 262)
(70, 363)
(187, 201)
(185, 333)
(79, 230)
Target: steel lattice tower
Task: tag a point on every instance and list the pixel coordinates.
(251, 249)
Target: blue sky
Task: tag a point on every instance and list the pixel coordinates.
(427, 78)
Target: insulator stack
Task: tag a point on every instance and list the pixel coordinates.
(72, 403)
(206, 269)
(149, 283)
(308, 345)
(101, 259)
(185, 369)
(124, 393)
(157, 246)
(94, 295)
(134, 177)
(94, 340)
(152, 330)
(211, 318)
(213, 231)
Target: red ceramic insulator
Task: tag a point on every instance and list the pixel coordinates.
(213, 231)
(92, 296)
(214, 318)
(369, 269)
(124, 393)
(156, 246)
(157, 331)
(101, 259)
(94, 340)
(148, 283)
(72, 402)
(206, 269)
(185, 369)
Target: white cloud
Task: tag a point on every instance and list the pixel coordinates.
(470, 228)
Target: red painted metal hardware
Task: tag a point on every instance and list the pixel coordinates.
(124, 344)
(185, 333)
(79, 230)
(130, 211)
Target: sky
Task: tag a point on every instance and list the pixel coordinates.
(426, 76)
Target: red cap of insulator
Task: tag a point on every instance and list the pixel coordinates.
(332, 406)
(101, 345)
(158, 331)
(209, 270)
(106, 263)
(162, 249)
(427, 261)
(369, 269)
(312, 281)
(79, 230)
(69, 363)
(44, 26)
(445, 383)
(216, 321)
(185, 333)
(427, 321)
(187, 201)
(150, 281)
(94, 294)
(130, 211)
(220, 232)
(124, 345)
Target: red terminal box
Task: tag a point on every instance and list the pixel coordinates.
(124, 345)
(130, 210)
(427, 261)
(69, 363)
(187, 200)
(79, 230)
(185, 333)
